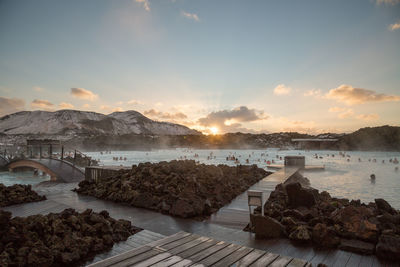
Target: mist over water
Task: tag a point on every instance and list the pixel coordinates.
(341, 178)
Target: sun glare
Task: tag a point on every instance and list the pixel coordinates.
(214, 130)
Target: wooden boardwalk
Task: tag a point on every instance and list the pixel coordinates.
(61, 197)
(236, 215)
(185, 249)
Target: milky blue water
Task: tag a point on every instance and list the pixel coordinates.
(341, 178)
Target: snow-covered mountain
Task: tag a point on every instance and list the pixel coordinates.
(71, 122)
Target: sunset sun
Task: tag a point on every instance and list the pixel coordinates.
(214, 130)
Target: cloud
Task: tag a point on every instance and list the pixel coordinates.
(349, 95)
(388, 2)
(38, 89)
(349, 113)
(313, 92)
(394, 26)
(64, 105)
(368, 117)
(86, 105)
(134, 102)
(231, 120)
(11, 105)
(282, 89)
(42, 104)
(144, 3)
(83, 94)
(336, 109)
(188, 15)
(153, 113)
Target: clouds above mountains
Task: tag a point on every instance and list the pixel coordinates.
(155, 114)
(42, 104)
(231, 120)
(351, 96)
(83, 93)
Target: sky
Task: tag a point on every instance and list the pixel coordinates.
(215, 66)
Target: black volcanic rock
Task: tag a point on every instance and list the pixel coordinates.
(17, 194)
(59, 239)
(180, 188)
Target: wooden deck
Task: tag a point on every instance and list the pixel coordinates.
(185, 249)
(61, 197)
(236, 214)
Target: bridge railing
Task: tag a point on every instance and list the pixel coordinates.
(47, 151)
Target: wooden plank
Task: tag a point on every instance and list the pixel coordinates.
(168, 261)
(179, 242)
(249, 258)
(264, 260)
(342, 259)
(188, 245)
(232, 258)
(366, 261)
(183, 263)
(297, 263)
(121, 257)
(217, 256)
(168, 239)
(196, 249)
(153, 260)
(151, 234)
(138, 258)
(354, 260)
(281, 261)
(207, 252)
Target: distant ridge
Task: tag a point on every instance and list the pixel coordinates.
(75, 122)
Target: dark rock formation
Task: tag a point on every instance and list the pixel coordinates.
(58, 239)
(18, 193)
(388, 247)
(329, 222)
(299, 196)
(180, 188)
(357, 246)
(266, 227)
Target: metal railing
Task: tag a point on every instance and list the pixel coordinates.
(46, 151)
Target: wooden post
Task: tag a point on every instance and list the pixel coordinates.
(74, 156)
(51, 150)
(40, 151)
(62, 152)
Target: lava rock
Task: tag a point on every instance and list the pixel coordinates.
(59, 239)
(324, 236)
(300, 234)
(388, 247)
(266, 227)
(357, 246)
(299, 196)
(181, 188)
(17, 194)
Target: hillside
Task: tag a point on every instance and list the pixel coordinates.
(74, 122)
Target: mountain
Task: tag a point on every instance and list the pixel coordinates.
(75, 122)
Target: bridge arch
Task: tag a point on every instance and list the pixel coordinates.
(58, 170)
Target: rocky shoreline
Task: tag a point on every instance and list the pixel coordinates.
(17, 194)
(179, 188)
(304, 215)
(68, 238)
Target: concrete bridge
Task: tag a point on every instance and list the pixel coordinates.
(59, 170)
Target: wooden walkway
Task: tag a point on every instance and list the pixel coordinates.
(185, 249)
(236, 215)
